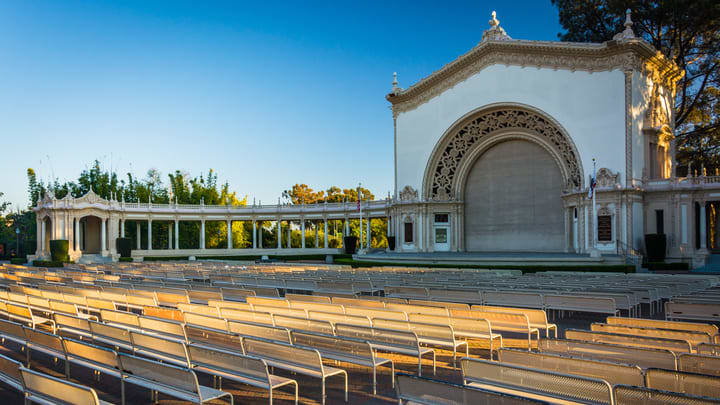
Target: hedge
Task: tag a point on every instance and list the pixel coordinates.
(59, 250)
(18, 260)
(48, 263)
(124, 246)
(125, 259)
(629, 268)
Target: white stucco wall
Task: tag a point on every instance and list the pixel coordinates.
(641, 91)
(589, 106)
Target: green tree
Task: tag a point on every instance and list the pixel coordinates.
(687, 33)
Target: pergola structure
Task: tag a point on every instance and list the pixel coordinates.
(92, 225)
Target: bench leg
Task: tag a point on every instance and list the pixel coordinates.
(374, 380)
(122, 390)
(323, 391)
(420, 365)
(392, 373)
(346, 386)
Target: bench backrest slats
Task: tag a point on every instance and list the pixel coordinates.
(334, 318)
(326, 343)
(686, 383)
(443, 304)
(163, 326)
(92, 353)
(199, 309)
(709, 349)
(419, 390)
(693, 337)
(660, 324)
(112, 332)
(357, 302)
(610, 372)
(165, 313)
(213, 337)
(676, 346)
(168, 347)
(242, 315)
(39, 338)
(10, 368)
(261, 331)
(55, 389)
(177, 377)
(270, 302)
(563, 385)
(228, 361)
(11, 329)
(124, 318)
(313, 325)
(417, 309)
(73, 322)
(230, 304)
(283, 352)
(395, 337)
(695, 363)
(627, 395)
(376, 313)
(317, 306)
(643, 357)
(535, 316)
(205, 321)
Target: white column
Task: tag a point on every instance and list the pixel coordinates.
(347, 228)
(367, 233)
(289, 234)
(260, 236)
(317, 237)
(202, 234)
(43, 232)
(229, 232)
(302, 232)
(76, 241)
(254, 245)
(170, 238)
(137, 233)
(177, 234)
(122, 228)
(279, 233)
(149, 234)
(703, 226)
(103, 236)
(326, 235)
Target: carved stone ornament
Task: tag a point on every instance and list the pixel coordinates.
(628, 33)
(604, 211)
(453, 151)
(656, 115)
(408, 194)
(607, 179)
(496, 32)
(628, 55)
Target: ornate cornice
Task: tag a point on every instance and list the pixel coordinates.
(627, 54)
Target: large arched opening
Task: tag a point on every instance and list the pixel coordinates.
(512, 196)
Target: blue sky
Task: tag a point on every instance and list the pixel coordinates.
(268, 94)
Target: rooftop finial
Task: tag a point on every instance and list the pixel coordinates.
(494, 22)
(628, 33)
(395, 82)
(495, 32)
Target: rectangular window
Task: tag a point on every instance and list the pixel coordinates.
(442, 218)
(408, 232)
(660, 221)
(604, 227)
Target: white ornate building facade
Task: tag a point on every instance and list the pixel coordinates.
(493, 153)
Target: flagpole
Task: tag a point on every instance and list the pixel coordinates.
(594, 210)
(360, 209)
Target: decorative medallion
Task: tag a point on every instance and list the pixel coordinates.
(408, 194)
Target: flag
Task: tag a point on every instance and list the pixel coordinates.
(593, 182)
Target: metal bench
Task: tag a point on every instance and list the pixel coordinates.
(213, 337)
(175, 381)
(236, 294)
(702, 312)
(237, 367)
(502, 321)
(12, 331)
(114, 336)
(270, 302)
(43, 342)
(468, 327)
(613, 373)
(642, 357)
(692, 337)
(297, 323)
(334, 318)
(443, 304)
(230, 304)
(534, 383)
(164, 349)
(259, 330)
(676, 346)
(710, 329)
(344, 349)
(27, 315)
(580, 303)
(388, 340)
(537, 318)
(412, 389)
(199, 309)
(205, 321)
(120, 318)
(685, 383)
(428, 334)
(295, 359)
(700, 364)
(162, 327)
(417, 309)
(317, 306)
(513, 298)
(309, 298)
(44, 389)
(708, 349)
(10, 372)
(98, 359)
(627, 395)
(373, 313)
(357, 302)
(232, 314)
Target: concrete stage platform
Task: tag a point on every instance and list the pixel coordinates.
(491, 258)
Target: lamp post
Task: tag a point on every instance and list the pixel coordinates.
(17, 242)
